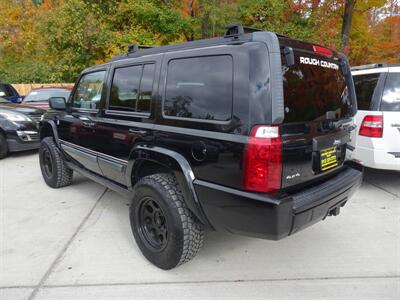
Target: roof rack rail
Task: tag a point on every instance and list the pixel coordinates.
(236, 29)
(370, 66)
(135, 47)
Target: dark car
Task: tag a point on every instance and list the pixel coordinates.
(18, 127)
(40, 97)
(244, 134)
(8, 92)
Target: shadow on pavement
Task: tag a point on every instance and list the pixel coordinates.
(388, 181)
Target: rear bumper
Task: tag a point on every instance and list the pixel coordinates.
(266, 217)
(373, 158)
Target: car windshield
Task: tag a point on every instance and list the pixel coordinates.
(44, 95)
(2, 100)
(5, 90)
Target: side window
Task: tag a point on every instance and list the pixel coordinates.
(391, 93)
(132, 88)
(200, 88)
(125, 88)
(88, 92)
(365, 86)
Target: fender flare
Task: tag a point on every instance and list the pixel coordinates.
(53, 128)
(180, 168)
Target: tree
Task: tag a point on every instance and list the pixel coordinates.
(53, 40)
(346, 25)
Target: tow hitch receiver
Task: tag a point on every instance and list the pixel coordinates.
(334, 211)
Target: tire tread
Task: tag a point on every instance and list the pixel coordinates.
(193, 232)
(64, 174)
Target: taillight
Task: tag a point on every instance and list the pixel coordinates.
(262, 168)
(372, 126)
(322, 50)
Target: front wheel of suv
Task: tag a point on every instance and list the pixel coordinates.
(165, 230)
(54, 170)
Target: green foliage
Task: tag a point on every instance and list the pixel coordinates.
(53, 40)
(62, 40)
(27, 71)
(145, 22)
(75, 37)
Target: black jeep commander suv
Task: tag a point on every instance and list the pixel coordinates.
(245, 134)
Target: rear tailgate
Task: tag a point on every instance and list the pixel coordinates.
(319, 103)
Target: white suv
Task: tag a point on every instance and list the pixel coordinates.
(376, 141)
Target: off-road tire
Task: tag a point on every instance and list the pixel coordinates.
(3, 146)
(184, 233)
(61, 175)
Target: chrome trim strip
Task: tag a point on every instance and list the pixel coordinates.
(116, 166)
(127, 123)
(126, 113)
(82, 154)
(96, 153)
(87, 110)
(229, 137)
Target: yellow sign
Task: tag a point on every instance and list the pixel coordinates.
(328, 158)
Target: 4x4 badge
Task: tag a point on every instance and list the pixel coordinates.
(293, 176)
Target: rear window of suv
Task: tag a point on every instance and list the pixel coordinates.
(310, 91)
(391, 93)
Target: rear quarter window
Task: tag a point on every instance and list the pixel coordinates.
(199, 88)
(391, 93)
(365, 86)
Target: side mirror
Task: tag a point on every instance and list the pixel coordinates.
(2, 94)
(58, 103)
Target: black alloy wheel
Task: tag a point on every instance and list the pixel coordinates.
(47, 163)
(152, 224)
(166, 231)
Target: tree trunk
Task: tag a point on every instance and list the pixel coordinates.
(205, 25)
(204, 14)
(346, 25)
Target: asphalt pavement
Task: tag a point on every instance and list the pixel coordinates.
(76, 243)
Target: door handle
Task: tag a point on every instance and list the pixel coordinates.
(80, 117)
(138, 131)
(89, 124)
